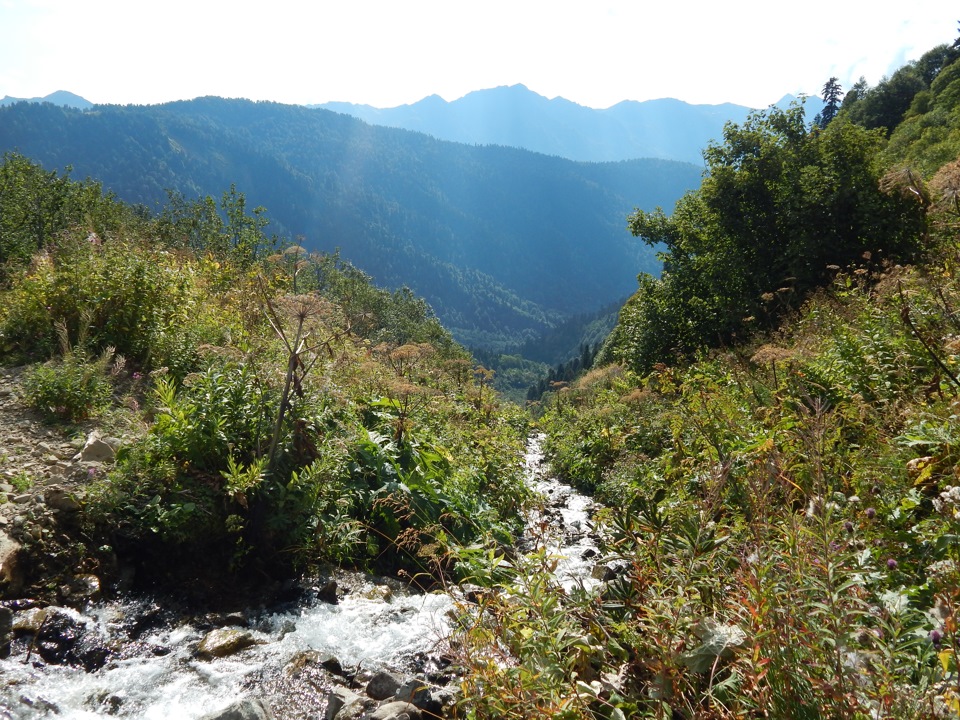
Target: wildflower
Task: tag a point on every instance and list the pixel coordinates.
(871, 513)
(892, 564)
(848, 526)
(935, 637)
(91, 473)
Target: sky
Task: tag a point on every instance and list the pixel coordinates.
(391, 52)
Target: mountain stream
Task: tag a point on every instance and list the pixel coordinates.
(136, 659)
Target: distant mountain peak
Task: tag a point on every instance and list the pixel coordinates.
(64, 98)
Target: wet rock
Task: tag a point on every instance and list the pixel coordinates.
(246, 709)
(475, 593)
(383, 685)
(107, 702)
(6, 631)
(11, 571)
(29, 620)
(80, 590)
(327, 591)
(42, 707)
(381, 593)
(603, 573)
(343, 704)
(420, 694)
(307, 658)
(223, 642)
(64, 639)
(221, 620)
(396, 710)
(330, 663)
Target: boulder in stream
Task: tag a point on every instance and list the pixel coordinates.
(383, 685)
(344, 704)
(223, 642)
(396, 710)
(63, 638)
(246, 709)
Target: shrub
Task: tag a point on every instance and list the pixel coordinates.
(70, 389)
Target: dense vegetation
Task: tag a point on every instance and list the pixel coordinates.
(773, 428)
(503, 243)
(282, 411)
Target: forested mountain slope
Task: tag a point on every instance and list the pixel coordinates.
(502, 242)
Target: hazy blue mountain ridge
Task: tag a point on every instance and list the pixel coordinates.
(518, 117)
(60, 97)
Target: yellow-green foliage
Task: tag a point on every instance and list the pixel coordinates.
(294, 413)
(929, 136)
(789, 492)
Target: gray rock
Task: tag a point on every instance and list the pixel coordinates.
(81, 590)
(97, 449)
(57, 497)
(246, 709)
(29, 621)
(223, 642)
(419, 693)
(396, 710)
(343, 704)
(383, 685)
(11, 571)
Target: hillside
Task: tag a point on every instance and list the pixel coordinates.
(502, 242)
(668, 129)
(773, 429)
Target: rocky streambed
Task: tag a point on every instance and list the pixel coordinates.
(339, 647)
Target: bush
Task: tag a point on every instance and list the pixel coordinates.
(71, 389)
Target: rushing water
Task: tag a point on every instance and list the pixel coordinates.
(159, 677)
(155, 674)
(563, 526)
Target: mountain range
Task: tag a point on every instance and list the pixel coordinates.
(518, 117)
(504, 243)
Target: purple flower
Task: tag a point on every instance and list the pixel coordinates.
(892, 564)
(935, 637)
(871, 513)
(91, 473)
(848, 526)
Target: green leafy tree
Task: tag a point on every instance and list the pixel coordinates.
(37, 205)
(781, 206)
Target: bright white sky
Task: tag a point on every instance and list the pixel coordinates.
(390, 52)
